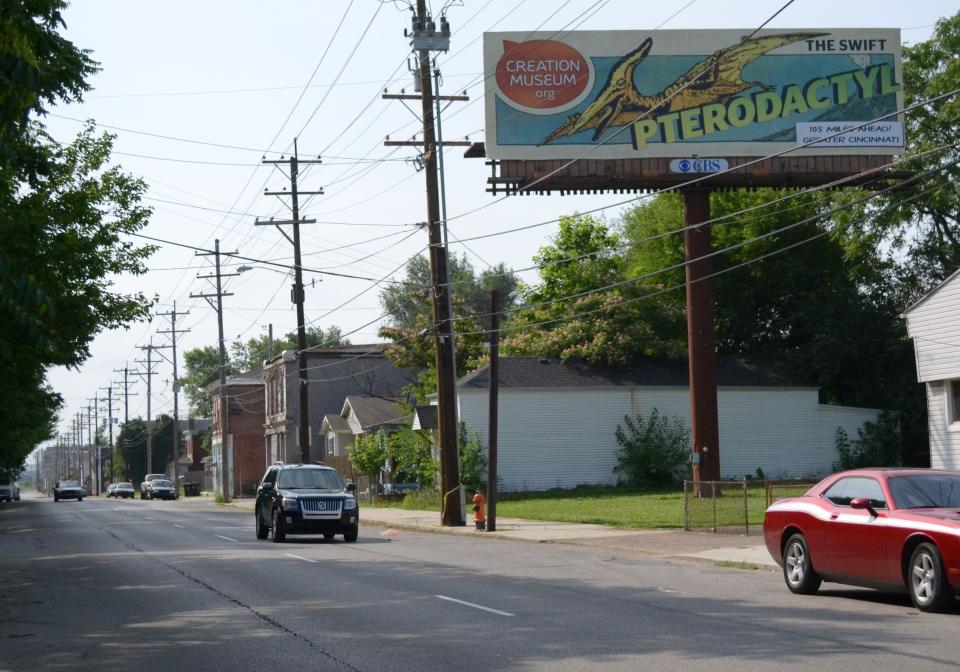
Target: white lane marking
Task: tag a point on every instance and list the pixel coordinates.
(178, 525)
(223, 537)
(475, 606)
(300, 557)
(149, 518)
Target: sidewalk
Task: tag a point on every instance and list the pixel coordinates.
(701, 546)
(747, 551)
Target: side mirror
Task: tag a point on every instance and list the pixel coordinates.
(864, 504)
(351, 487)
(266, 487)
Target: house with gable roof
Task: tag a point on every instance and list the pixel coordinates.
(933, 323)
(360, 416)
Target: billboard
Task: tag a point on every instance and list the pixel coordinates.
(691, 93)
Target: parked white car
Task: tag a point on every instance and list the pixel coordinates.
(9, 492)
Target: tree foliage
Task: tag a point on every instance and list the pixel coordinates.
(586, 307)
(408, 303)
(65, 213)
(201, 367)
(132, 447)
(878, 444)
(250, 355)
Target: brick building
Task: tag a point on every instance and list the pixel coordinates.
(239, 462)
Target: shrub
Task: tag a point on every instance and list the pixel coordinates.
(877, 445)
(473, 459)
(652, 451)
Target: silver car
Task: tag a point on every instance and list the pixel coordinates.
(9, 492)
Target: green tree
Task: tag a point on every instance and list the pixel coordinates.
(250, 355)
(408, 303)
(132, 447)
(201, 367)
(926, 233)
(65, 214)
(369, 453)
(584, 308)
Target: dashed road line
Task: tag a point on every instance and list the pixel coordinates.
(178, 525)
(223, 537)
(475, 606)
(300, 557)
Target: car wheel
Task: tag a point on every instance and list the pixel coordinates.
(262, 530)
(798, 570)
(276, 532)
(56, 498)
(351, 536)
(79, 499)
(329, 535)
(926, 580)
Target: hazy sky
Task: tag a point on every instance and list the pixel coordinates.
(231, 72)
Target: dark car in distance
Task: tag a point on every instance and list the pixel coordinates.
(160, 488)
(67, 490)
(305, 499)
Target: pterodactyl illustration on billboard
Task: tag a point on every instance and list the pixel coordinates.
(715, 79)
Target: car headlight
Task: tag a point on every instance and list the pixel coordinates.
(289, 503)
(349, 503)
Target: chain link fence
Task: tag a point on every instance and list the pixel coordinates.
(777, 491)
(732, 506)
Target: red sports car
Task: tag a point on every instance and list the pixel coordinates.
(890, 529)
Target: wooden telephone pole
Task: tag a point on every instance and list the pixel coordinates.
(425, 38)
(172, 331)
(218, 306)
(297, 293)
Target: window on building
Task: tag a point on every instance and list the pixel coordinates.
(953, 402)
(331, 444)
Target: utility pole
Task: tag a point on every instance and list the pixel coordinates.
(149, 374)
(701, 347)
(109, 390)
(218, 306)
(494, 411)
(425, 38)
(172, 315)
(126, 405)
(86, 451)
(79, 435)
(96, 446)
(297, 293)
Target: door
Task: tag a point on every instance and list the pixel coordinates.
(856, 540)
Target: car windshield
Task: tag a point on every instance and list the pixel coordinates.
(69, 484)
(314, 479)
(124, 485)
(161, 484)
(925, 491)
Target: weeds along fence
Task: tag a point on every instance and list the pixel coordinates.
(732, 506)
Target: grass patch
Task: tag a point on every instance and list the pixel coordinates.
(740, 564)
(614, 506)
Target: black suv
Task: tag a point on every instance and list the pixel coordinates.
(305, 499)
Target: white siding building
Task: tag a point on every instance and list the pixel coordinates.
(934, 325)
(557, 420)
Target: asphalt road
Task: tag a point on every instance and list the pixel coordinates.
(132, 585)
